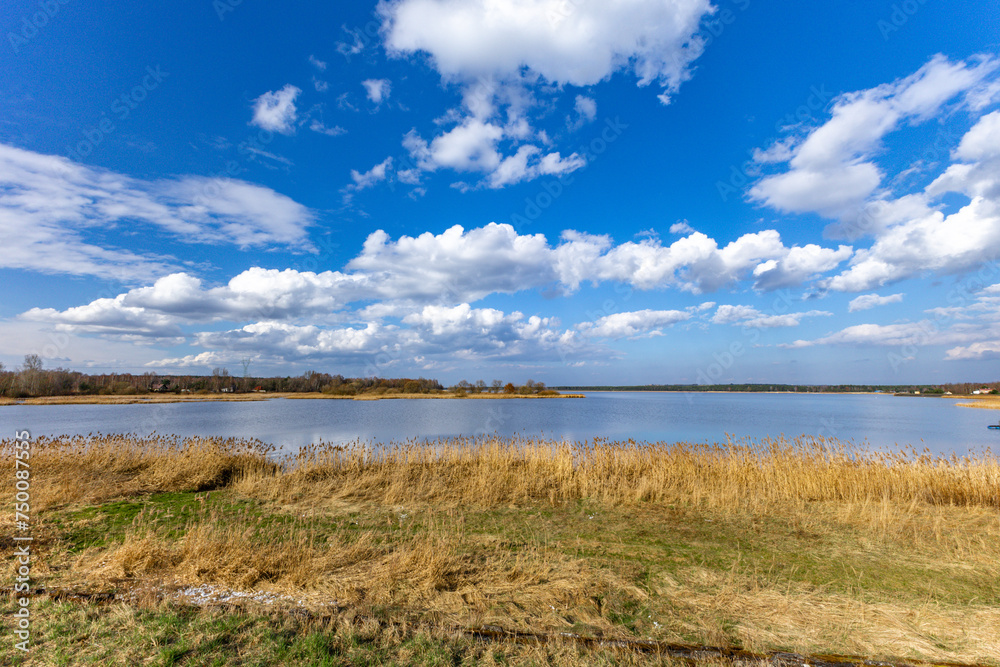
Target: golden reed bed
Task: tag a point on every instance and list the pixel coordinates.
(491, 470)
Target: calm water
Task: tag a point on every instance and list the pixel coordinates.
(884, 421)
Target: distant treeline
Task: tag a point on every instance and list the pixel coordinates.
(32, 380)
(955, 388)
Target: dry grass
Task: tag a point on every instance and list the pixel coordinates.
(94, 469)
(984, 402)
(800, 545)
(740, 475)
(151, 399)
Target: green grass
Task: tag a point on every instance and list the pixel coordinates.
(838, 559)
(644, 547)
(84, 634)
(779, 552)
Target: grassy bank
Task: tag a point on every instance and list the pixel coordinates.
(982, 402)
(221, 555)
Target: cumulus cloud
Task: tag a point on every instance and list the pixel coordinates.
(936, 242)
(580, 43)
(502, 53)
(631, 324)
(694, 263)
(866, 301)
(275, 110)
(471, 146)
(50, 208)
(913, 237)
(377, 89)
(454, 267)
(201, 360)
(414, 295)
(107, 316)
(830, 171)
(460, 332)
(529, 163)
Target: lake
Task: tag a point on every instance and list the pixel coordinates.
(885, 422)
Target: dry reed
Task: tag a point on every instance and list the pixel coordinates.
(742, 474)
(739, 474)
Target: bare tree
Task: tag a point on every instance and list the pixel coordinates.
(246, 361)
(30, 372)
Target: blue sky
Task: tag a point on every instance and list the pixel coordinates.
(630, 192)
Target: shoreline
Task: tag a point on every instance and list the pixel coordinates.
(158, 399)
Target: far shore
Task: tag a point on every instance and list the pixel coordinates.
(982, 402)
(201, 398)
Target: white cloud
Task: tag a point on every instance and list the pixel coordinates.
(979, 173)
(376, 174)
(107, 316)
(428, 281)
(942, 244)
(318, 126)
(989, 350)
(502, 53)
(50, 206)
(727, 314)
(456, 265)
(830, 171)
(919, 334)
(526, 165)
(471, 146)
(317, 63)
(973, 325)
(586, 111)
(627, 325)
(579, 43)
(681, 227)
(866, 301)
(377, 89)
(748, 316)
(275, 111)
(798, 265)
(982, 142)
(459, 332)
(694, 263)
(202, 360)
(912, 237)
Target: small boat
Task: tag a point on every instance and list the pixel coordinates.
(994, 426)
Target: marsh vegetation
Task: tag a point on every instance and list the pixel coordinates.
(810, 546)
